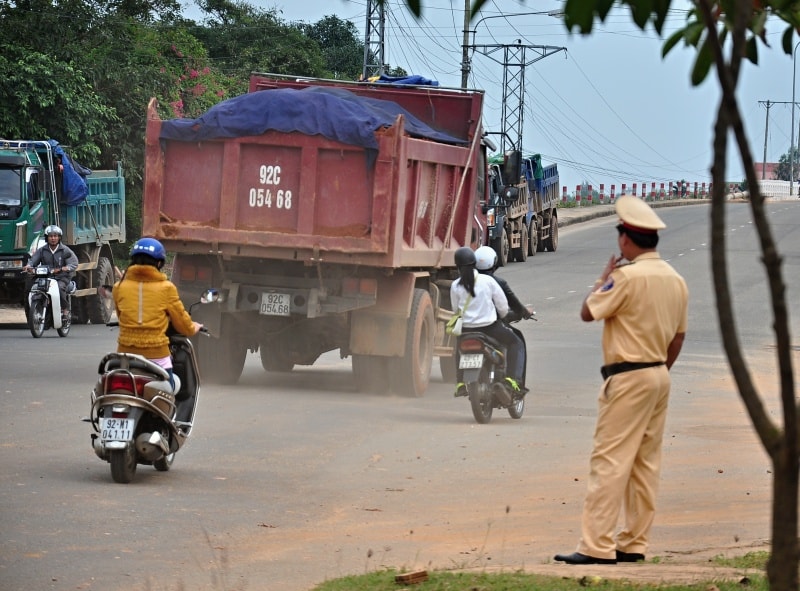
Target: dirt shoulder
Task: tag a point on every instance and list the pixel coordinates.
(673, 568)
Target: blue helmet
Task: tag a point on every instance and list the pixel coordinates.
(151, 247)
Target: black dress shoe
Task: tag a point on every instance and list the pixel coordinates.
(578, 558)
(629, 556)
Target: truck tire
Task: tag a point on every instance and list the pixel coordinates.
(552, 241)
(411, 373)
(501, 247)
(99, 309)
(521, 253)
(533, 237)
(371, 373)
(274, 359)
(221, 360)
(540, 242)
(447, 365)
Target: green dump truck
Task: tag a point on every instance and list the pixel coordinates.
(41, 185)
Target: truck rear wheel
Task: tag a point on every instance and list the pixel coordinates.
(552, 241)
(273, 358)
(99, 309)
(533, 237)
(521, 253)
(221, 360)
(447, 365)
(411, 373)
(371, 373)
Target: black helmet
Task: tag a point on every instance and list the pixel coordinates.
(464, 257)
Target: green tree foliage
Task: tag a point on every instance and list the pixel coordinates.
(341, 48)
(53, 99)
(241, 39)
(783, 171)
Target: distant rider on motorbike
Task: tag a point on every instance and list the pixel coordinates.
(486, 263)
(146, 303)
(58, 257)
(484, 303)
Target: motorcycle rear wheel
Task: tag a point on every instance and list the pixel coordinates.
(164, 463)
(37, 317)
(123, 464)
(480, 399)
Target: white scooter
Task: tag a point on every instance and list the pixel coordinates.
(44, 303)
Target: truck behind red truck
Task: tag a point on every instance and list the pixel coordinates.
(322, 244)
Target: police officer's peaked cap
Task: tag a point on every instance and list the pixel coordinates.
(636, 215)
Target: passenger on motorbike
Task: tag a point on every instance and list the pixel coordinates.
(486, 263)
(58, 257)
(146, 303)
(484, 303)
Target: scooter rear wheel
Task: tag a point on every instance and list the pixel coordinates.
(123, 464)
(164, 463)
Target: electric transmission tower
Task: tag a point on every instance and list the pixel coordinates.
(373, 40)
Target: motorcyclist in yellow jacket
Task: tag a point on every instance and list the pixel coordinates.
(146, 303)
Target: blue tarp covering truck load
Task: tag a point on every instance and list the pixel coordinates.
(41, 185)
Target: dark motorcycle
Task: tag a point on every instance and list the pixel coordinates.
(482, 361)
(138, 417)
(44, 303)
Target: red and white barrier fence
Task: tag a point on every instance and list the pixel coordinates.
(585, 194)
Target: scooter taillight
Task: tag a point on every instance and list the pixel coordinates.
(470, 345)
(121, 381)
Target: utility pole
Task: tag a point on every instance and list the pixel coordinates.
(465, 66)
(769, 104)
(514, 62)
(766, 132)
(374, 40)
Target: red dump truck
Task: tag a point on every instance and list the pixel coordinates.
(328, 213)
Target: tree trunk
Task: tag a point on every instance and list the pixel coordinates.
(781, 574)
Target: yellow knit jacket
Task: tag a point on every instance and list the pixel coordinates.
(146, 302)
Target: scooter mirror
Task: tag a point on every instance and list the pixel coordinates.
(210, 296)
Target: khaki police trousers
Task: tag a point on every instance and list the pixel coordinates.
(626, 462)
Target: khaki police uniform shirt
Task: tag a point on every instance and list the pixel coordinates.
(644, 305)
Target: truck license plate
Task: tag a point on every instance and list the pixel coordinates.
(472, 361)
(275, 304)
(116, 429)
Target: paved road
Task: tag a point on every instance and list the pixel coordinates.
(294, 478)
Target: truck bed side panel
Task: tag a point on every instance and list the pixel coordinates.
(294, 196)
(101, 216)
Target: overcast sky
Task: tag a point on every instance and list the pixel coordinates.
(609, 110)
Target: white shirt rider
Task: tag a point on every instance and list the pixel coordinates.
(484, 308)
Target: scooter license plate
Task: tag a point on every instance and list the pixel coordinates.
(275, 304)
(112, 429)
(472, 361)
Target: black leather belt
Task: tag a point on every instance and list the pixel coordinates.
(615, 368)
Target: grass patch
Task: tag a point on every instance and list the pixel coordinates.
(750, 560)
(516, 581)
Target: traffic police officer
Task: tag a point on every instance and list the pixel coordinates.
(644, 308)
